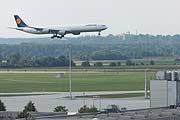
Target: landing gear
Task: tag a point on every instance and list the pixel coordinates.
(99, 33)
(57, 36)
(60, 36)
(53, 36)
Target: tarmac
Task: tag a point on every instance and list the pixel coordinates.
(48, 101)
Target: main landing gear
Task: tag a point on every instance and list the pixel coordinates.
(99, 33)
(57, 36)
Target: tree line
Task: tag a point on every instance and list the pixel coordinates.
(94, 47)
(17, 61)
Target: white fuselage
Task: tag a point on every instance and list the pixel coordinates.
(76, 30)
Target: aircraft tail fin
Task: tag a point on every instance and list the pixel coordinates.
(19, 21)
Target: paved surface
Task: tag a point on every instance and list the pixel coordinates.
(47, 103)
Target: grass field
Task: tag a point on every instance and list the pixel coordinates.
(47, 82)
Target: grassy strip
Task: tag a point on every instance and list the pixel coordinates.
(44, 82)
(16, 95)
(126, 95)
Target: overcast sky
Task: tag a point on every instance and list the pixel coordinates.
(146, 16)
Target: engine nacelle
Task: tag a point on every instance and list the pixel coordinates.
(76, 33)
(62, 32)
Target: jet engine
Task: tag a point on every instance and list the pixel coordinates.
(76, 33)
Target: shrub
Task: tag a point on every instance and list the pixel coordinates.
(2, 107)
(86, 109)
(28, 108)
(60, 109)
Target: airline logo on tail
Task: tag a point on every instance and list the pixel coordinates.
(19, 21)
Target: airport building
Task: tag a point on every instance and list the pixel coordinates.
(165, 89)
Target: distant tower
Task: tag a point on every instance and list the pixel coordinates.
(124, 36)
(136, 32)
(128, 32)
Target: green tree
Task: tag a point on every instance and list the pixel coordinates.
(60, 109)
(152, 62)
(112, 64)
(93, 110)
(2, 107)
(119, 64)
(129, 63)
(83, 109)
(28, 108)
(63, 61)
(98, 64)
(14, 59)
(85, 64)
(86, 109)
(142, 63)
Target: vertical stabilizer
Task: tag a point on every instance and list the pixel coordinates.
(19, 21)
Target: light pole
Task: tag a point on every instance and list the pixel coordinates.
(99, 103)
(145, 84)
(84, 98)
(70, 72)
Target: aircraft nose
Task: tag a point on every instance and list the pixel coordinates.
(105, 27)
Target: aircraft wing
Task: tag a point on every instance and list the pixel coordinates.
(57, 31)
(38, 29)
(13, 28)
(51, 30)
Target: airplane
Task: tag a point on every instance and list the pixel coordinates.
(58, 32)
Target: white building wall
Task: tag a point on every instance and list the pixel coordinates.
(172, 92)
(178, 93)
(158, 93)
(163, 93)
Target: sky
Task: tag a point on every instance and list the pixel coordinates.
(145, 16)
